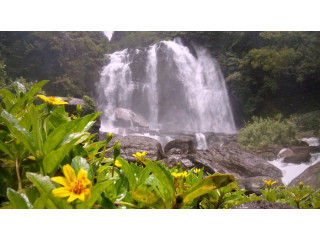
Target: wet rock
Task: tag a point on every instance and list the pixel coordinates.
(309, 177)
(235, 161)
(132, 144)
(286, 153)
(297, 158)
(127, 119)
(254, 184)
(184, 145)
(173, 160)
(263, 205)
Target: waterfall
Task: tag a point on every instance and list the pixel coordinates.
(201, 141)
(173, 86)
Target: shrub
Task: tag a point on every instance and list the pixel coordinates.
(267, 132)
(89, 105)
(308, 121)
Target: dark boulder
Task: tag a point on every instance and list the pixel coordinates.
(298, 158)
(173, 160)
(263, 205)
(309, 177)
(235, 161)
(132, 144)
(179, 146)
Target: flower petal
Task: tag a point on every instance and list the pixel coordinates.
(82, 174)
(61, 180)
(69, 173)
(61, 192)
(82, 197)
(44, 98)
(73, 197)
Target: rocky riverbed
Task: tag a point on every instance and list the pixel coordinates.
(224, 155)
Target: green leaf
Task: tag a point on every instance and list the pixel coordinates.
(111, 191)
(28, 97)
(36, 129)
(126, 168)
(21, 133)
(57, 136)
(41, 202)
(145, 196)
(144, 174)
(106, 203)
(165, 178)
(78, 163)
(18, 200)
(206, 185)
(7, 98)
(45, 186)
(54, 158)
(95, 195)
(5, 149)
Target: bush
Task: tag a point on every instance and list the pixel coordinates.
(89, 105)
(308, 121)
(267, 132)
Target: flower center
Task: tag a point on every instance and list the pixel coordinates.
(52, 99)
(78, 187)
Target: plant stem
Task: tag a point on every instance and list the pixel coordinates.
(125, 203)
(18, 175)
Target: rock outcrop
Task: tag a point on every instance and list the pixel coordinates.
(309, 177)
(132, 144)
(126, 118)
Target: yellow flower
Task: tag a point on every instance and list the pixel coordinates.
(140, 156)
(52, 100)
(73, 117)
(118, 164)
(73, 187)
(196, 171)
(269, 183)
(180, 175)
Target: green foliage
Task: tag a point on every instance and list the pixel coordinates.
(267, 132)
(40, 143)
(89, 105)
(308, 121)
(301, 196)
(71, 60)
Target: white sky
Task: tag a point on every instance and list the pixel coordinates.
(108, 34)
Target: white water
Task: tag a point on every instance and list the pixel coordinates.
(290, 170)
(181, 92)
(162, 139)
(311, 141)
(201, 141)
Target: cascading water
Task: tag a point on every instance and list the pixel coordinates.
(291, 170)
(174, 87)
(201, 141)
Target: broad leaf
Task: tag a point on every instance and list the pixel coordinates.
(206, 185)
(41, 202)
(126, 168)
(45, 186)
(165, 178)
(21, 133)
(28, 97)
(18, 200)
(78, 163)
(54, 158)
(145, 196)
